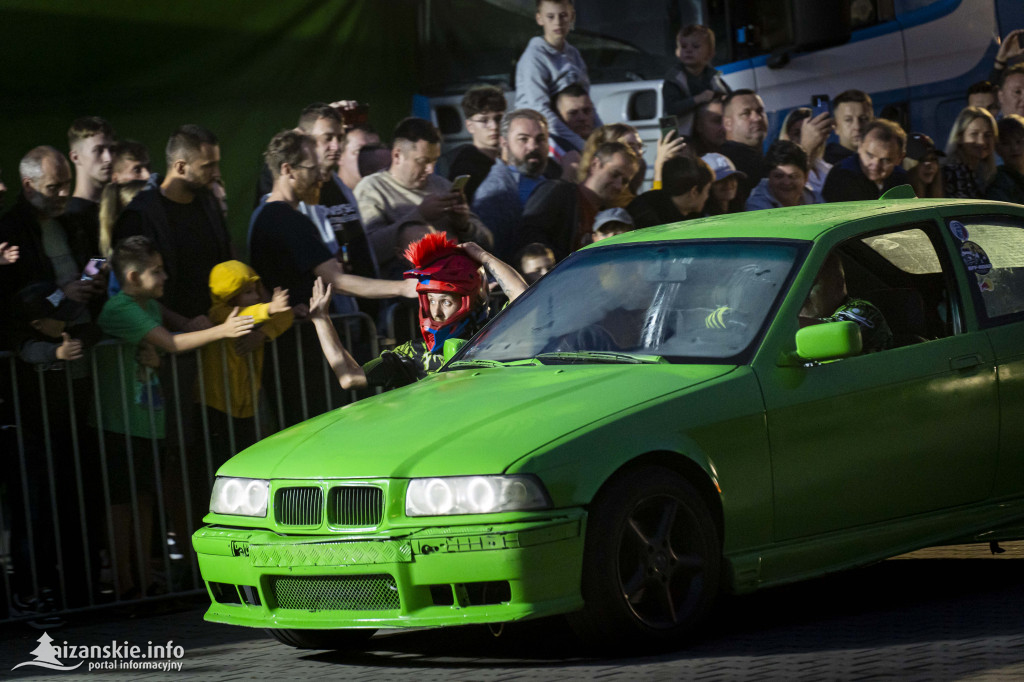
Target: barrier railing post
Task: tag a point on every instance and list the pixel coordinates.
(76, 452)
(132, 481)
(51, 476)
(105, 478)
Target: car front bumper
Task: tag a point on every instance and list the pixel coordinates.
(450, 575)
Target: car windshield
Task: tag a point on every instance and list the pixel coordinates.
(679, 302)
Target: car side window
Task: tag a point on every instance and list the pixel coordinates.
(897, 287)
(991, 250)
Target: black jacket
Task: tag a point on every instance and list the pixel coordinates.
(20, 227)
(551, 216)
(149, 218)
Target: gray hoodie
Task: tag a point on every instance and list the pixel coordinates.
(541, 73)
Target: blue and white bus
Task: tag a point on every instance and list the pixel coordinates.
(915, 57)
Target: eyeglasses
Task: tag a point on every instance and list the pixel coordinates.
(639, 148)
(307, 167)
(487, 120)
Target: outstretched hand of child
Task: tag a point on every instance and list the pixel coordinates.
(279, 301)
(320, 301)
(236, 325)
(70, 349)
(8, 254)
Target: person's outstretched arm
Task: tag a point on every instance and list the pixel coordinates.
(348, 371)
(236, 325)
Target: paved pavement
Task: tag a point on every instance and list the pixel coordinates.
(940, 614)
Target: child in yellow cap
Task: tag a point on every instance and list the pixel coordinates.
(231, 371)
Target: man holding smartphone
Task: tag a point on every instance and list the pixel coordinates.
(409, 190)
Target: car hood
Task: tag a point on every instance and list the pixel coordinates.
(461, 422)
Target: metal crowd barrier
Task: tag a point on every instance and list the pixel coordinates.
(40, 525)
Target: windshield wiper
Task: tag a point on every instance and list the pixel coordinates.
(598, 356)
(467, 364)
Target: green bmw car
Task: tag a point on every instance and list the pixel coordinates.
(713, 406)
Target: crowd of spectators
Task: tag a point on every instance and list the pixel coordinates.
(98, 244)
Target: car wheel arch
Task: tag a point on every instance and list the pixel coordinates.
(692, 471)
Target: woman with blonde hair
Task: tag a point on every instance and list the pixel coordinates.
(112, 202)
(971, 160)
(627, 135)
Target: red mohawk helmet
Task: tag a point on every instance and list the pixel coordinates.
(442, 267)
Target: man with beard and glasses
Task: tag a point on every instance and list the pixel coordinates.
(502, 195)
(330, 201)
(288, 250)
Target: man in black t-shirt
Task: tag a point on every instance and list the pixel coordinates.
(337, 205)
(90, 142)
(182, 218)
(288, 251)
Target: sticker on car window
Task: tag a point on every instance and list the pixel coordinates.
(958, 230)
(975, 258)
(985, 284)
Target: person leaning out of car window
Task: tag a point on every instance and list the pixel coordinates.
(453, 305)
(830, 302)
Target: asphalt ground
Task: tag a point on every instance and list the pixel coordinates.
(953, 613)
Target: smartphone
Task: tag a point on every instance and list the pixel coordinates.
(820, 105)
(668, 124)
(92, 268)
(355, 117)
(459, 183)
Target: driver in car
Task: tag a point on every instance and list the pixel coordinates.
(452, 305)
(830, 302)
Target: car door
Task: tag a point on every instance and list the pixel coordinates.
(890, 434)
(993, 265)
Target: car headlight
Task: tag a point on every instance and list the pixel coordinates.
(240, 496)
(474, 495)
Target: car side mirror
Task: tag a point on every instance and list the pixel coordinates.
(451, 347)
(828, 341)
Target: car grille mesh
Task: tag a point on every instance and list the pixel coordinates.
(336, 593)
(299, 506)
(355, 506)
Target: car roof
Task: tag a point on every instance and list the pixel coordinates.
(798, 222)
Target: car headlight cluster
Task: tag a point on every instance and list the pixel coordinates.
(240, 496)
(474, 495)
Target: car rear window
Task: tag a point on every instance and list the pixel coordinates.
(909, 250)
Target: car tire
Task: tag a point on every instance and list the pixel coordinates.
(651, 563)
(338, 640)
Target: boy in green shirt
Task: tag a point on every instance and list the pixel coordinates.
(131, 412)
